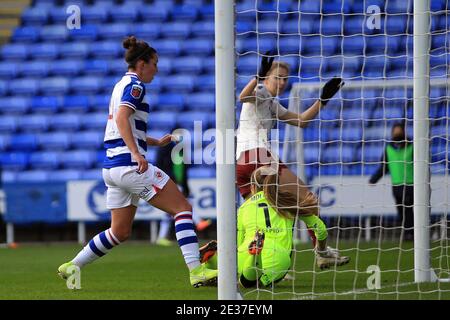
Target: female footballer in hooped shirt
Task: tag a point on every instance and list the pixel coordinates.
(129, 176)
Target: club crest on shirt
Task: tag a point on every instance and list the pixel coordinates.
(136, 91)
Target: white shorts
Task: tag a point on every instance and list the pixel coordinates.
(126, 186)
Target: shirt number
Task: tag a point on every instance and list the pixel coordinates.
(266, 213)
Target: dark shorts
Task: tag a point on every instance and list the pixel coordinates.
(248, 162)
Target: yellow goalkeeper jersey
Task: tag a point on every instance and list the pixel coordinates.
(256, 213)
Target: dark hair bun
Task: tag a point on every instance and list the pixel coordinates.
(129, 42)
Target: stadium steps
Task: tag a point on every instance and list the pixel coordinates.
(10, 12)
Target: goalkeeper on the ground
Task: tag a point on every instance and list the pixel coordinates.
(264, 237)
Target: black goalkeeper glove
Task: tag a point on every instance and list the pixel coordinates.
(266, 64)
(329, 89)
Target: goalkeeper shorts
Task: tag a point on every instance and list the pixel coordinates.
(126, 186)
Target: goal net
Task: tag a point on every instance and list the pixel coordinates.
(370, 45)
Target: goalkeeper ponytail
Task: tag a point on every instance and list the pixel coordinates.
(265, 179)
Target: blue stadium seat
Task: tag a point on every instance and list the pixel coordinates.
(307, 6)
(14, 160)
(207, 12)
(38, 69)
(74, 50)
(55, 140)
(336, 6)
(106, 49)
(99, 102)
(96, 67)
(23, 142)
(169, 102)
(47, 51)
(259, 44)
(191, 65)
(65, 121)
(310, 65)
(351, 133)
(86, 85)
(202, 172)
(343, 63)
(34, 16)
(154, 13)
(164, 66)
(184, 13)
(359, 7)
(353, 45)
(396, 7)
(34, 123)
(162, 120)
(209, 65)
(95, 121)
(65, 175)
(290, 44)
(198, 47)
(115, 31)
(203, 29)
(371, 63)
(93, 174)
(188, 119)
(58, 15)
(45, 104)
(344, 154)
(167, 48)
(9, 176)
(32, 176)
(4, 141)
(54, 33)
(89, 140)
(178, 83)
(201, 102)
(9, 124)
(355, 25)
(376, 44)
(55, 85)
(372, 152)
(45, 160)
(76, 103)
(88, 32)
(176, 30)
(15, 52)
(25, 34)
(322, 45)
(311, 152)
(107, 83)
(118, 66)
(124, 13)
(69, 67)
(24, 87)
(14, 105)
(398, 24)
(205, 83)
(330, 25)
(148, 31)
(94, 14)
(9, 70)
(78, 159)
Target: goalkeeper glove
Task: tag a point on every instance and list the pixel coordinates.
(329, 89)
(266, 64)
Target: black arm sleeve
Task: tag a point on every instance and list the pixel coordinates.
(382, 169)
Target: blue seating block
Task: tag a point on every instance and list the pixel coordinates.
(23, 142)
(34, 123)
(59, 140)
(45, 160)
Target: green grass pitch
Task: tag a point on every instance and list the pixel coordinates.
(143, 271)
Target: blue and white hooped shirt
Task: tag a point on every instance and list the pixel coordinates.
(130, 92)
